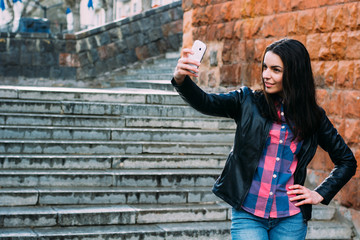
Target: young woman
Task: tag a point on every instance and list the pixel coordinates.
(278, 131)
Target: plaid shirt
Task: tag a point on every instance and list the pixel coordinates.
(275, 173)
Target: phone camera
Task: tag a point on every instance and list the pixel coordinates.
(199, 49)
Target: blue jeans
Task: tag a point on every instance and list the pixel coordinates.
(246, 226)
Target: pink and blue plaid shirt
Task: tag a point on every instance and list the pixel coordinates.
(275, 173)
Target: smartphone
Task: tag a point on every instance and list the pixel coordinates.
(199, 49)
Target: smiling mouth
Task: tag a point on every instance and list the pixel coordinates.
(268, 85)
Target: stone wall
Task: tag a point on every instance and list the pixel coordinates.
(77, 59)
(238, 31)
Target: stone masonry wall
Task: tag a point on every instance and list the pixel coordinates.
(238, 31)
(77, 59)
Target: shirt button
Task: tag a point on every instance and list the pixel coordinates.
(271, 193)
(274, 176)
(277, 159)
(281, 141)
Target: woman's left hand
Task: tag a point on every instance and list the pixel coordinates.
(304, 195)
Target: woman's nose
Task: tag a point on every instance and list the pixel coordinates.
(266, 73)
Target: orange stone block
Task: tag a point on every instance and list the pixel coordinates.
(220, 32)
(352, 13)
(229, 30)
(320, 20)
(296, 4)
(352, 131)
(237, 10)
(260, 46)
(284, 5)
(260, 8)
(225, 11)
(209, 14)
(324, 53)
(352, 104)
(292, 24)
(272, 7)
(275, 25)
(322, 97)
(335, 18)
(255, 75)
(249, 8)
(211, 32)
(338, 45)
(241, 53)
(319, 74)
(313, 45)
(238, 29)
(330, 70)
(217, 18)
(256, 26)
(353, 45)
(199, 17)
(345, 75)
(229, 74)
(250, 50)
(336, 103)
(357, 75)
(306, 21)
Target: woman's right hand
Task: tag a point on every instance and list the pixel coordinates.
(184, 68)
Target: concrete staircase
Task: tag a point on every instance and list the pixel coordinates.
(124, 163)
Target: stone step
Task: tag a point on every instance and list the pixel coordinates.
(214, 230)
(109, 178)
(170, 59)
(45, 196)
(162, 63)
(326, 230)
(38, 119)
(178, 122)
(149, 84)
(10, 146)
(81, 215)
(155, 76)
(115, 134)
(322, 212)
(29, 119)
(151, 70)
(144, 161)
(96, 108)
(116, 95)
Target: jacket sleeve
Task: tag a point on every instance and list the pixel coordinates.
(221, 105)
(341, 156)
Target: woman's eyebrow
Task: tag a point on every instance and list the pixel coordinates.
(273, 66)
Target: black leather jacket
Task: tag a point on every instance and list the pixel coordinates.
(251, 133)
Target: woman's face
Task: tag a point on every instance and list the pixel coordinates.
(272, 74)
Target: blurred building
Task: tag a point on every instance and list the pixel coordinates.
(83, 15)
(127, 8)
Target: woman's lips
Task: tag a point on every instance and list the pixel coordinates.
(268, 85)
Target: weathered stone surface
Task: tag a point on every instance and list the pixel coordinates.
(73, 51)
